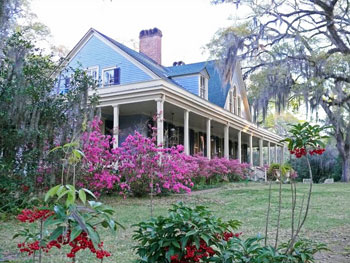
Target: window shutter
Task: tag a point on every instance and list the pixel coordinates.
(117, 76)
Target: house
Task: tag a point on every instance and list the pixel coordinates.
(193, 105)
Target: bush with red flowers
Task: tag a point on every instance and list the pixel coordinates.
(73, 225)
(306, 138)
(186, 235)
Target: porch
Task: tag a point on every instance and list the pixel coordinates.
(202, 127)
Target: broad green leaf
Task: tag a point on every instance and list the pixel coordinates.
(51, 192)
(82, 195)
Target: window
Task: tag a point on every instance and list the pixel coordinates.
(202, 88)
(239, 108)
(111, 76)
(93, 72)
(234, 110)
(230, 104)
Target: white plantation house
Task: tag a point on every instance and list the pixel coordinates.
(195, 107)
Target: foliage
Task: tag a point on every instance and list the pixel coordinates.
(66, 223)
(194, 235)
(293, 55)
(306, 137)
(34, 117)
(185, 235)
(251, 250)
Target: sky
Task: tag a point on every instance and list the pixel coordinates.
(187, 25)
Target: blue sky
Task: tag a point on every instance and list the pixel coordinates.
(187, 25)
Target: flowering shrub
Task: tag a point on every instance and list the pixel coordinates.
(74, 225)
(99, 160)
(142, 165)
(186, 235)
(189, 235)
(138, 166)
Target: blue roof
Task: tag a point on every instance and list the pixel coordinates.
(143, 59)
(186, 69)
(218, 90)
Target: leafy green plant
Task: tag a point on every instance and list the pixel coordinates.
(250, 250)
(181, 235)
(77, 218)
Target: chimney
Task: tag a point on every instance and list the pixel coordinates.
(151, 44)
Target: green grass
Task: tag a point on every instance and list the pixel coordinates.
(330, 210)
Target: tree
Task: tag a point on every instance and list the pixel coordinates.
(298, 51)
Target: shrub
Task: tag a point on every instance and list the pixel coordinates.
(143, 167)
(185, 235)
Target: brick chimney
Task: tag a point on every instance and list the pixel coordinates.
(151, 44)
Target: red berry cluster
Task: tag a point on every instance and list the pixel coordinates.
(317, 151)
(82, 242)
(299, 152)
(228, 235)
(193, 254)
(203, 252)
(31, 216)
(30, 248)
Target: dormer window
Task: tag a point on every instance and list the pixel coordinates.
(111, 76)
(202, 87)
(93, 72)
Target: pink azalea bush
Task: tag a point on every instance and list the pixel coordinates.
(100, 158)
(139, 166)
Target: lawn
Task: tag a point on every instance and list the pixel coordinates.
(329, 219)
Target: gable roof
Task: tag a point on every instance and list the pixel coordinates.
(143, 59)
(217, 88)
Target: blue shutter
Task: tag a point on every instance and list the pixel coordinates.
(117, 76)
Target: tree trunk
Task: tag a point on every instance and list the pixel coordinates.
(345, 169)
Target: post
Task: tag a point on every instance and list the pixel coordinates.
(226, 141)
(116, 126)
(276, 153)
(282, 154)
(251, 161)
(261, 153)
(186, 132)
(239, 155)
(268, 153)
(160, 122)
(208, 139)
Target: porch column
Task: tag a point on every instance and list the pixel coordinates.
(282, 154)
(276, 153)
(239, 148)
(268, 153)
(160, 122)
(186, 132)
(208, 139)
(116, 126)
(261, 153)
(251, 150)
(226, 142)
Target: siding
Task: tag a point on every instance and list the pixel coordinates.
(189, 83)
(96, 53)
